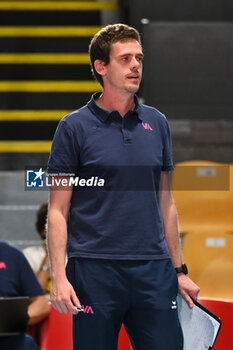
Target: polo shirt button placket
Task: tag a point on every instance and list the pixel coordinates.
(126, 133)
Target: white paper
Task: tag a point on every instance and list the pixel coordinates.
(199, 328)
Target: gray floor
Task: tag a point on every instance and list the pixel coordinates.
(18, 208)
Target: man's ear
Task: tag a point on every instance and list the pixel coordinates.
(100, 67)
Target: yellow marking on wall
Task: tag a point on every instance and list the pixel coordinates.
(25, 146)
(50, 86)
(57, 5)
(27, 115)
(44, 58)
(45, 31)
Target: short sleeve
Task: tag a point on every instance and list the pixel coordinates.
(167, 148)
(64, 156)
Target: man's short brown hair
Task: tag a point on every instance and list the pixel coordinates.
(99, 48)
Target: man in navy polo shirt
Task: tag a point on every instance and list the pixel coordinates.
(122, 238)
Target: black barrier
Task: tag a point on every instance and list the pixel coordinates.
(180, 10)
(188, 69)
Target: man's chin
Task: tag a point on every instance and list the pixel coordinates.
(133, 88)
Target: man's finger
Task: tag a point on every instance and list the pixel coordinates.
(60, 307)
(76, 300)
(55, 306)
(188, 300)
(67, 305)
(64, 308)
(194, 293)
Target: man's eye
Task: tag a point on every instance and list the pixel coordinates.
(124, 58)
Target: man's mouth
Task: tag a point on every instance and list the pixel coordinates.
(133, 77)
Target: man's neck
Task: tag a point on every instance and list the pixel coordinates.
(111, 102)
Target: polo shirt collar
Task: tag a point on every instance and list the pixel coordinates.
(103, 114)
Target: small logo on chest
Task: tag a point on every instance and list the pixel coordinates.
(147, 126)
(2, 265)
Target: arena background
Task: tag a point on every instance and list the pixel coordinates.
(188, 75)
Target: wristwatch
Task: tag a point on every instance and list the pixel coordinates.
(183, 268)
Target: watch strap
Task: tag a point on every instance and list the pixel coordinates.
(182, 269)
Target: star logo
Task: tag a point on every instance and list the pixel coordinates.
(38, 174)
(35, 178)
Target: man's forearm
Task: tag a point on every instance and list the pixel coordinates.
(38, 309)
(187, 288)
(57, 242)
(170, 219)
(172, 235)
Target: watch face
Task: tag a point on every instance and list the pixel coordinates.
(183, 268)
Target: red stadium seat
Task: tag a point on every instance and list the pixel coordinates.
(56, 333)
(223, 309)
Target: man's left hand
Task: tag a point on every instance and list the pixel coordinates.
(188, 289)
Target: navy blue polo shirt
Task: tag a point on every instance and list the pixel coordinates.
(16, 275)
(122, 219)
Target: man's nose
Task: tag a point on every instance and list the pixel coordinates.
(135, 63)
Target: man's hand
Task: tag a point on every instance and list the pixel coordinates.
(64, 298)
(188, 288)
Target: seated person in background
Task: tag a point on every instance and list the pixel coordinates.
(38, 256)
(18, 279)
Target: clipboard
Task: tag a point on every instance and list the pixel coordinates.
(199, 325)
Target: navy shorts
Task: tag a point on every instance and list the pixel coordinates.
(139, 294)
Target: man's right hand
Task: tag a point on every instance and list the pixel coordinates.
(64, 298)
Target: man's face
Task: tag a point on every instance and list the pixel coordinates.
(124, 70)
